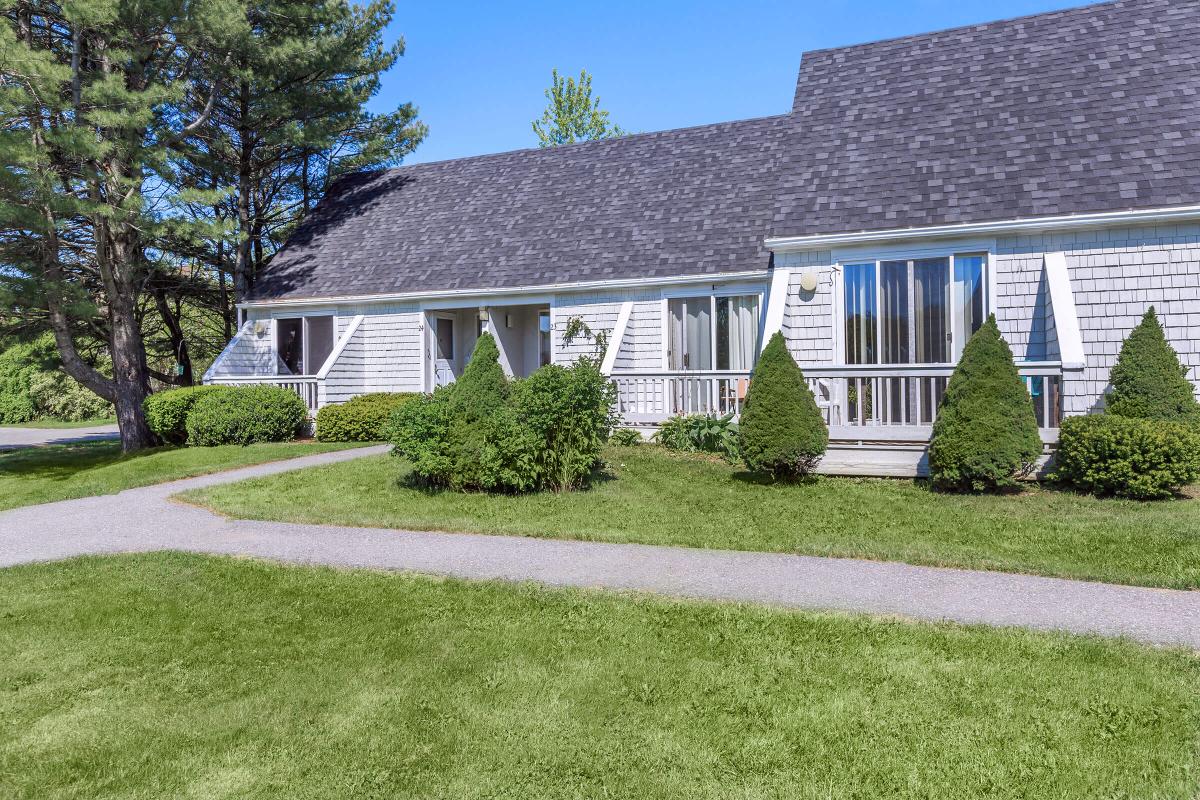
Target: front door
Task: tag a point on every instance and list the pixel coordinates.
(443, 356)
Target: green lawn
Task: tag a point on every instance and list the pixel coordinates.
(55, 424)
(655, 497)
(171, 675)
(60, 472)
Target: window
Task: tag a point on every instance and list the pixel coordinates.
(706, 333)
(303, 344)
(916, 311)
(445, 338)
(544, 337)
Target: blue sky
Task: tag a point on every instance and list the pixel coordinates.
(478, 70)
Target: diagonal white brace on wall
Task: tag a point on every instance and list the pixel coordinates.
(614, 344)
(776, 304)
(351, 329)
(1066, 319)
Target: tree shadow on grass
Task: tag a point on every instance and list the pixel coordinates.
(763, 479)
(63, 462)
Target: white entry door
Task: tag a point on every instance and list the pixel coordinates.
(443, 355)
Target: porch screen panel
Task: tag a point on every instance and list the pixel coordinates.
(861, 314)
(690, 333)
(931, 282)
(969, 298)
(289, 346)
(320, 342)
(737, 332)
(894, 311)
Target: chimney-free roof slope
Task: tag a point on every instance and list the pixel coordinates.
(685, 202)
(1085, 110)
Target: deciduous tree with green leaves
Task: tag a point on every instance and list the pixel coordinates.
(572, 114)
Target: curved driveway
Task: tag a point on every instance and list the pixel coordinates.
(141, 520)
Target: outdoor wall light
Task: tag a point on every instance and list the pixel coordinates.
(808, 281)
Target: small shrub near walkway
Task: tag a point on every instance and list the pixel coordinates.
(361, 419)
(245, 415)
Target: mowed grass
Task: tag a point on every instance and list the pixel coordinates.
(172, 675)
(61, 472)
(652, 496)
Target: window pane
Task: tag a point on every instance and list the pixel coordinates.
(931, 289)
(320, 342)
(543, 338)
(969, 298)
(289, 344)
(445, 339)
(860, 314)
(737, 332)
(893, 296)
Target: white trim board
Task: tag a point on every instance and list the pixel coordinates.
(465, 298)
(784, 244)
(1066, 318)
(618, 334)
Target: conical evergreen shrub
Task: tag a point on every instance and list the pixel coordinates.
(483, 386)
(986, 435)
(1148, 382)
(781, 429)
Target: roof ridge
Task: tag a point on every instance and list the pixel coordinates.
(1087, 7)
(590, 143)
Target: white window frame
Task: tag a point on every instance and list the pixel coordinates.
(303, 317)
(713, 295)
(839, 294)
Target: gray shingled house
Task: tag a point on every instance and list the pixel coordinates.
(1046, 169)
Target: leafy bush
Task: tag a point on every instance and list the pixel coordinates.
(57, 395)
(700, 433)
(625, 437)
(360, 419)
(568, 410)
(18, 365)
(34, 386)
(167, 412)
(1148, 382)
(544, 432)
(782, 432)
(986, 434)
(245, 415)
(1105, 454)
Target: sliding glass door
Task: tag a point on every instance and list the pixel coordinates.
(909, 311)
(706, 334)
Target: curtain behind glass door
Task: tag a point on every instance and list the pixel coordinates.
(931, 282)
(690, 344)
(737, 332)
(969, 299)
(860, 314)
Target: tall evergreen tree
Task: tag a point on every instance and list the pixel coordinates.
(572, 114)
(141, 134)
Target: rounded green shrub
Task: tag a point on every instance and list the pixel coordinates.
(59, 396)
(986, 434)
(781, 430)
(167, 412)
(360, 419)
(701, 433)
(625, 437)
(1109, 455)
(1148, 381)
(245, 415)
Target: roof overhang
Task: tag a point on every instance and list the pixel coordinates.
(788, 244)
(484, 296)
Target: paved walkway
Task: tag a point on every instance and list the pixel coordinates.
(145, 519)
(18, 438)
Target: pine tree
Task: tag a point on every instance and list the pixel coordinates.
(483, 386)
(986, 434)
(781, 429)
(572, 115)
(1148, 382)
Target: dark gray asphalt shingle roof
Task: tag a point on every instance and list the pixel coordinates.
(1091, 109)
(685, 202)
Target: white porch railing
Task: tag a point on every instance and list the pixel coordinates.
(308, 389)
(858, 396)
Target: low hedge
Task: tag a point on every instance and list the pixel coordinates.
(167, 412)
(245, 415)
(360, 419)
(1109, 455)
